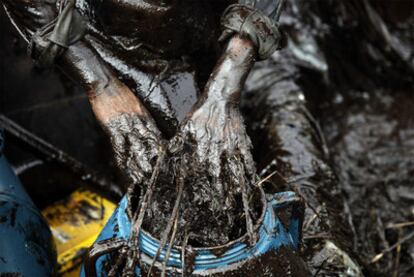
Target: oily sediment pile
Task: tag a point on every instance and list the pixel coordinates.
(211, 158)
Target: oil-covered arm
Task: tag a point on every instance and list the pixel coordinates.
(135, 138)
(212, 143)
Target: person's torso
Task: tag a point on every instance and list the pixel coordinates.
(163, 50)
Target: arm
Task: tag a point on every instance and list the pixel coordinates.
(134, 135)
(251, 36)
(213, 148)
(108, 96)
(212, 142)
(135, 138)
(227, 79)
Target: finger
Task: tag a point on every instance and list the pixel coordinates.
(125, 158)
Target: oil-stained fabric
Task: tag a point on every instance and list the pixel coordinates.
(50, 41)
(287, 141)
(253, 24)
(328, 69)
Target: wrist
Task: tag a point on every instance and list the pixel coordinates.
(241, 51)
(229, 76)
(254, 25)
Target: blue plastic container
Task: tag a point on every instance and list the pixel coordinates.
(280, 226)
(26, 243)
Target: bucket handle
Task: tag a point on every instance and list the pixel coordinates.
(293, 222)
(98, 250)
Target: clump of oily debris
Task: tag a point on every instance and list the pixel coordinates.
(200, 184)
(206, 188)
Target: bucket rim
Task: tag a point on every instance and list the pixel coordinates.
(219, 248)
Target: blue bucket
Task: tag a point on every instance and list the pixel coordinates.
(26, 243)
(280, 226)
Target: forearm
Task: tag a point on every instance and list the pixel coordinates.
(108, 96)
(229, 76)
(133, 133)
(251, 35)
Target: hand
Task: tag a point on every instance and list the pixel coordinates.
(136, 143)
(215, 152)
(214, 130)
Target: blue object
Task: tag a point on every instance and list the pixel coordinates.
(26, 243)
(273, 235)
